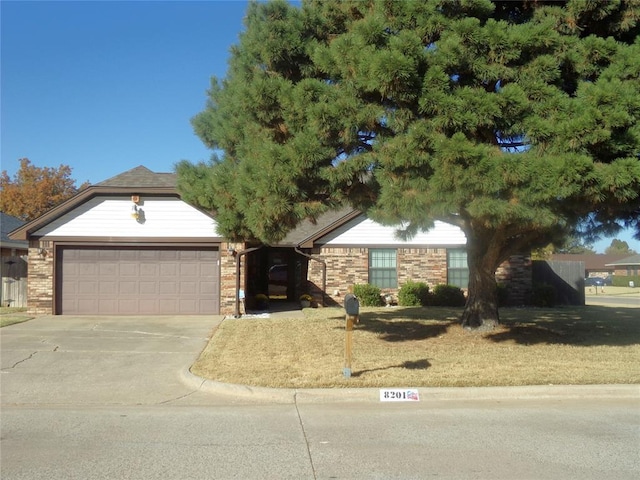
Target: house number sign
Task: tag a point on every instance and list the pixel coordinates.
(399, 395)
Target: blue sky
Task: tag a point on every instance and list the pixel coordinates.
(106, 86)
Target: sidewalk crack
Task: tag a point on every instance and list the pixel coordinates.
(304, 434)
(23, 360)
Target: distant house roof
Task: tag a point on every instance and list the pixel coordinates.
(632, 260)
(597, 261)
(7, 225)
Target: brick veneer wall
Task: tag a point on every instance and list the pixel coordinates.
(349, 266)
(515, 274)
(40, 278)
(228, 277)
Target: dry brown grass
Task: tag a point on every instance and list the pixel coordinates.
(426, 347)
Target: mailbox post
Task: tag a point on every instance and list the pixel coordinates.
(352, 308)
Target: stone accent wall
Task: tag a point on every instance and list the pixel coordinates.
(40, 278)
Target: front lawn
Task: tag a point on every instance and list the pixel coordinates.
(426, 347)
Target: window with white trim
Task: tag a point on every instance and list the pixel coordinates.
(383, 267)
(457, 268)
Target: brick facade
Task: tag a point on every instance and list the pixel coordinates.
(40, 278)
(345, 266)
(349, 266)
(515, 275)
(228, 252)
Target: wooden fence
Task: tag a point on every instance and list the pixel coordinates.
(14, 281)
(567, 279)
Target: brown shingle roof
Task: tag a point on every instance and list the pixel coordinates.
(307, 231)
(139, 177)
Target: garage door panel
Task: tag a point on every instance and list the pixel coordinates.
(86, 288)
(132, 280)
(87, 269)
(108, 288)
(122, 305)
(207, 288)
(169, 255)
(148, 255)
(129, 269)
(148, 288)
(188, 288)
(149, 269)
(148, 307)
(170, 305)
(126, 287)
(87, 304)
(168, 269)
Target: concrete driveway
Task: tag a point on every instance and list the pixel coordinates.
(100, 360)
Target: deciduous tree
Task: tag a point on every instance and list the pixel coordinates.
(34, 190)
(515, 120)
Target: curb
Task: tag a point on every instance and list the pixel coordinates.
(427, 394)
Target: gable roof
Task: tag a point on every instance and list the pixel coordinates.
(632, 260)
(8, 224)
(139, 180)
(307, 231)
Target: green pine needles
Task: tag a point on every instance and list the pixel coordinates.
(516, 121)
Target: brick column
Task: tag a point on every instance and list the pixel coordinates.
(40, 279)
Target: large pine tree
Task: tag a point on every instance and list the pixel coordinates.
(516, 121)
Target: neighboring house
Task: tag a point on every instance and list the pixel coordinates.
(130, 245)
(9, 247)
(626, 267)
(13, 264)
(595, 265)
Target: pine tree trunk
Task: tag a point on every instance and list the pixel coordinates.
(481, 310)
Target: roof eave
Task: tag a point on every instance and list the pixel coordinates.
(309, 242)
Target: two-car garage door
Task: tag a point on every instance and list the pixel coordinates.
(138, 281)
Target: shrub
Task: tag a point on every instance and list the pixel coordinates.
(369, 295)
(448, 296)
(622, 281)
(544, 295)
(413, 294)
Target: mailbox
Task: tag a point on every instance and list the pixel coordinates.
(351, 304)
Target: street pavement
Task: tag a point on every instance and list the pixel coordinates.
(112, 398)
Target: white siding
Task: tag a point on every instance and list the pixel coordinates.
(111, 217)
(364, 232)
